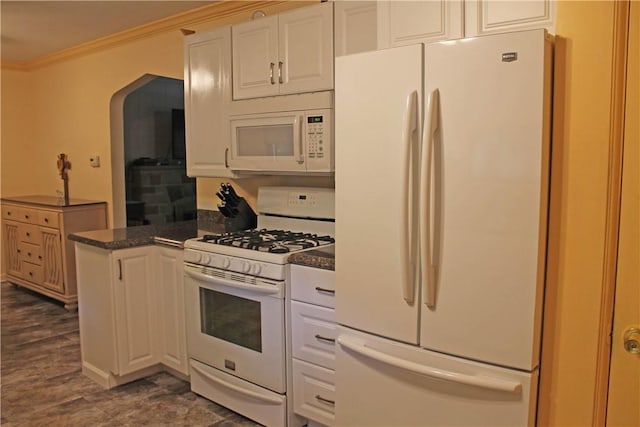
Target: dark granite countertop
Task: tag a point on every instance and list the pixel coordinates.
(49, 201)
(171, 234)
(318, 258)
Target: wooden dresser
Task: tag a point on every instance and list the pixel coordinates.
(37, 253)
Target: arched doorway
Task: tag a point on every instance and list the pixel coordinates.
(149, 179)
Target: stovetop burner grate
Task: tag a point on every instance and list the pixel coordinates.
(274, 241)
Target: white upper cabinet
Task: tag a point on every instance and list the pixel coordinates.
(408, 22)
(356, 26)
(207, 94)
(284, 54)
(499, 16)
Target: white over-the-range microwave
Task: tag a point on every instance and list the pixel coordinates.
(298, 140)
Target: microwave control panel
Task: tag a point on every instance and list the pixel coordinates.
(318, 133)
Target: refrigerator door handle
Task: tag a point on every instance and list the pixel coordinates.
(408, 129)
(490, 383)
(432, 119)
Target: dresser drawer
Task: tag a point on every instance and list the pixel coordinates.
(314, 392)
(30, 252)
(30, 233)
(11, 212)
(32, 272)
(48, 219)
(313, 334)
(313, 285)
(28, 215)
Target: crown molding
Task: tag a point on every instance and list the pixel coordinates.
(208, 13)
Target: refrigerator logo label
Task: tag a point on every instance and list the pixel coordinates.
(509, 56)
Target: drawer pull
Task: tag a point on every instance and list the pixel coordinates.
(9, 213)
(40, 257)
(29, 254)
(31, 273)
(26, 217)
(19, 251)
(321, 338)
(327, 401)
(28, 234)
(326, 291)
(46, 220)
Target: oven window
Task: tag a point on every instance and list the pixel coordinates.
(231, 318)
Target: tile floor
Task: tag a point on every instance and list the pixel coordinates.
(41, 383)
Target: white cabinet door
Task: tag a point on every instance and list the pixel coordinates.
(134, 311)
(409, 22)
(288, 53)
(306, 49)
(356, 26)
(255, 58)
(496, 16)
(169, 286)
(207, 94)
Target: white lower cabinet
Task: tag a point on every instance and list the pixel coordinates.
(313, 335)
(134, 311)
(130, 312)
(169, 286)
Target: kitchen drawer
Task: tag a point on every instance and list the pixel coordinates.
(32, 272)
(48, 219)
(314, 392)
(313, 334)
(30, 233)
(30, 252)
(313, 285)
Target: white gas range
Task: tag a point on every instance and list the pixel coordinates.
(235, 285)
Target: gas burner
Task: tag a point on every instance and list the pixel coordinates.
(275, 241)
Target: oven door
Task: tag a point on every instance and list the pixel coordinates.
(235, 323)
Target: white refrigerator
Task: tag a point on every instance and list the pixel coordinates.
(442, 176)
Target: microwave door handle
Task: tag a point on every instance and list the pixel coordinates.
(298, 123)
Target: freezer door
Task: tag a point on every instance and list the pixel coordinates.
(378, 99)
(384, 383)
(488, 207)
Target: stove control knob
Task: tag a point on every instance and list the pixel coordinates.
(195, 257)
(206, 259)
(226, 262)
(245, 266)
(257, 268)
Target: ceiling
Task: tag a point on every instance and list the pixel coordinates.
(33, 29)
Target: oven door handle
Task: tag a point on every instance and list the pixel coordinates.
(250, 393)
(261, 289)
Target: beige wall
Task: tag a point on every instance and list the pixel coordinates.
(64, 107)
(580, 173)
